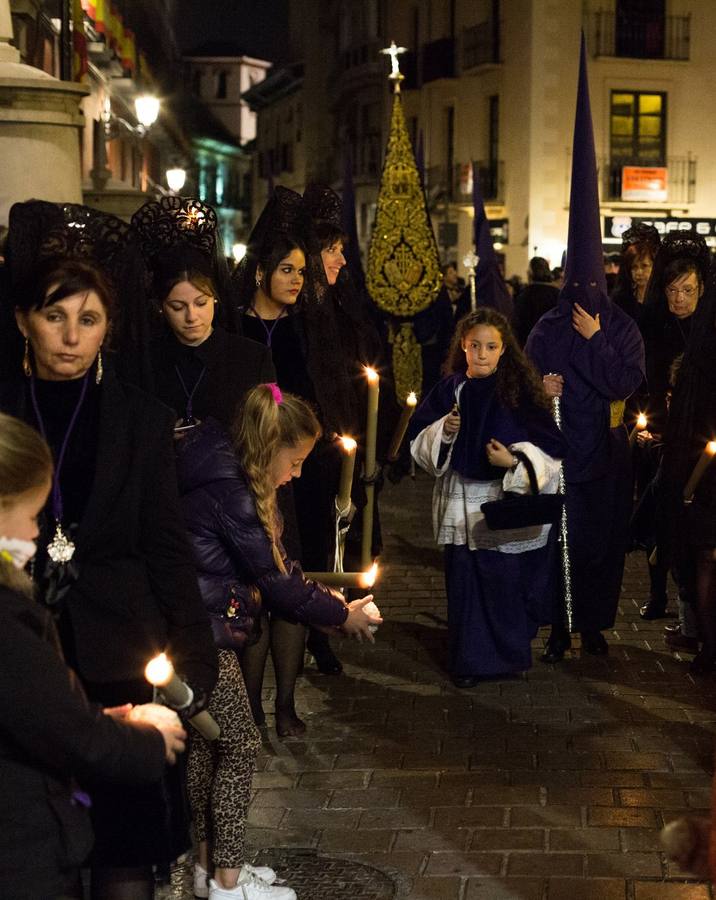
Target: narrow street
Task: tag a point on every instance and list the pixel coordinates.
(553, 786)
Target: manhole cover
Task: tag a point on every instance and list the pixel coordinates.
(314, 876)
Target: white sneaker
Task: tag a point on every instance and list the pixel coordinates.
(263, 872)
(201, 881)
(250, 887)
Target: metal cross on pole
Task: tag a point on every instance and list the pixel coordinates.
(395, 74)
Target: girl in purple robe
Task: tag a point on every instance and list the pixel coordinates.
(499, 583)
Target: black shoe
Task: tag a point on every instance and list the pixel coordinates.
(556, 647)
(674, 628)
(326, 660)
(465, 683)
(654, 609)
(595, 643)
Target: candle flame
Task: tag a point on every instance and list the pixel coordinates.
(641, 421)
(370, 373)
(367, 578)
(349, 444)
(159, 670)
(412, 399)
(711, 448)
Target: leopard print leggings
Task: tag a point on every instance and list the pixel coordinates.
(219, 773)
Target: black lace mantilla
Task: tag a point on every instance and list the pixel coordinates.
(643, 235)
(170, 221)
(323, 205)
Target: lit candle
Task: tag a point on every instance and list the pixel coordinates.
(641, 424)
(346, 579)
(343, 499)
(699, 469)
(371, 433)
(408, 410)
(178, 695)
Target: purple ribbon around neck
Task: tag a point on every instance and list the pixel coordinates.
(56, 491)
(269, 331)
(189, 394)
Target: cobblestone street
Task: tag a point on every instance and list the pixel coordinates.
(550, 787)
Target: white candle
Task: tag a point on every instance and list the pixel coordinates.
(641, 423)
(343, 499)
(346, 579)
(371, 433)
(160, 673)
(699, 469)
(408, 410)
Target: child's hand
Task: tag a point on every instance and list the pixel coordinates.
(451, 425)
(499, 455)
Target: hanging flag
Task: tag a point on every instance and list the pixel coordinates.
(403, 274)
(80, 59)
(491, 287)
(129, 52)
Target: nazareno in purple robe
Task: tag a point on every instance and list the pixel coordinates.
(608, 367)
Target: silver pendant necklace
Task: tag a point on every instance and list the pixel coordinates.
(60, 549)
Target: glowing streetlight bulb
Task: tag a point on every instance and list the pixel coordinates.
(176, 178)
(238, 251)
(146, 107)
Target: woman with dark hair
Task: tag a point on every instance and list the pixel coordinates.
(640, 245)
(200, 367)
(681, 272)
(113, 558)
(500, 584)
(687, 524)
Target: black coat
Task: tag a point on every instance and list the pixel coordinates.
(136, 593)
(234, 365)
(49, 734)
(530, 305)
(231, 549)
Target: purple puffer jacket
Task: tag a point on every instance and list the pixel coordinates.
(232, 553)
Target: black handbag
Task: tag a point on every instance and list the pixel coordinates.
(523, 510)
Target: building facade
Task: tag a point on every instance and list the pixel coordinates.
(494, 82)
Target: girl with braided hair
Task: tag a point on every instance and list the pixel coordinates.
(228, 494)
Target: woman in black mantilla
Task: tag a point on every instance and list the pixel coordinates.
(281, 287)
(679, 277)
(112, 558)
(640, 245)
(201, 368)
(688, 525)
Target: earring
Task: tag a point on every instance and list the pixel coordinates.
(100, 369)
(258, 282)
(26, 366)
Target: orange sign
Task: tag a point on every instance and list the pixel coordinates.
(645, 183)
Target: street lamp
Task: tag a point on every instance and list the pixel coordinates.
(176, 177)
(146, 107)
(238, 251)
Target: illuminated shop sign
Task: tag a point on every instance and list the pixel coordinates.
(615, 226)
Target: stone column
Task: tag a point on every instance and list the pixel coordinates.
(40, 122)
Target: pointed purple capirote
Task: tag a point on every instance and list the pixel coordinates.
(351, 251)
(584, 278)
(491, 288)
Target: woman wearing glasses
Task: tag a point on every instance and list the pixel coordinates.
(681, 269)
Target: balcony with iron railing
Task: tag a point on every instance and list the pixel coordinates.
(664, 37)
(681, 179)
(481, 44)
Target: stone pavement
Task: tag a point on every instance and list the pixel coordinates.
(550, 787)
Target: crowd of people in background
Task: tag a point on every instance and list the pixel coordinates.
(169, 468)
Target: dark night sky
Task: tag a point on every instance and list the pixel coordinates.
(257, 26)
